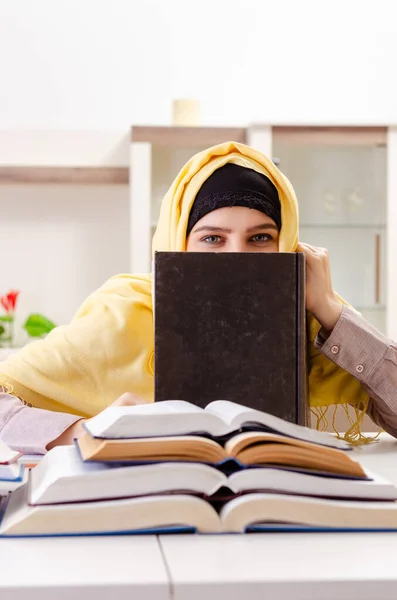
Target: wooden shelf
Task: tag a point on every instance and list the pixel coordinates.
(188, 137)
(367, 136)
(64, 175)
(194, 137)
(342, 225)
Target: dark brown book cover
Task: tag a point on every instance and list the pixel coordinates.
(231, 326)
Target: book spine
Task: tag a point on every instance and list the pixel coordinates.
(4, 500)
(302, 406)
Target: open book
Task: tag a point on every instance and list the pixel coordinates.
(10, 469)
(177, 417)
(62, 477)
(249, 448)
(154, 513)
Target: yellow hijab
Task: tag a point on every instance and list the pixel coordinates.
(107, 349)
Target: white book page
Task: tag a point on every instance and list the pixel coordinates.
(318, 512)
(10, 471)
(273, 480)
(229, 412)
(10, 486)
(171, 417)
(63, 477)
(107, 516)
(62, 462)
(17, 508)
(101, 422)
(167, 407)
(6, 454)
(236, 415)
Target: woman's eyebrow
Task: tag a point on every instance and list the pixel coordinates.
(212, 228)
(262, 226)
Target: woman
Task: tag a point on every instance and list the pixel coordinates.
(228, 198)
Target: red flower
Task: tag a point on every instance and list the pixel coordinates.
(9, 301)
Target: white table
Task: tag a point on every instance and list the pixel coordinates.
(281, 566)
(277, 566)
(101, 568)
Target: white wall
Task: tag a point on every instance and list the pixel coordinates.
(59, 243)
(103, 64)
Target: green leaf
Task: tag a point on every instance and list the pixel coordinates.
(2, 330)
(6, 318)
(37, 325)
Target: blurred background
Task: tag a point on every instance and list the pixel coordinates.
(92, 133)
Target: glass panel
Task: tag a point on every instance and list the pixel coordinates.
(341, 191)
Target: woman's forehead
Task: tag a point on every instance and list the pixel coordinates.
(234, 217)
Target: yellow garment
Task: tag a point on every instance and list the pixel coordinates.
(107, 349)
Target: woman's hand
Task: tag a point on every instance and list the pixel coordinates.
(128, 399)
(321, 299)
(77, 430)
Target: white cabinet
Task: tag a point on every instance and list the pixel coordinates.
(358, 265)
(340, 179)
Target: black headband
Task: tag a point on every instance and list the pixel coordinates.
(232, 185)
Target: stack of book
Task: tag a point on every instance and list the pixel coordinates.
(172, 466)
(11, 470)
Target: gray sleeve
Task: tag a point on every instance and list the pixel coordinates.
(361, 350)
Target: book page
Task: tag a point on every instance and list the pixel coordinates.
(227, 411)
(156, 408)
(251, 509)
(236, 415)
(309, 483)
(60, 462)
(109, 516)
(6, 454)
(65, 478)
(10, 471)
(142, 412)
(17, 507)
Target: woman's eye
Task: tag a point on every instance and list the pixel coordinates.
(212, 239)
(261, 237)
